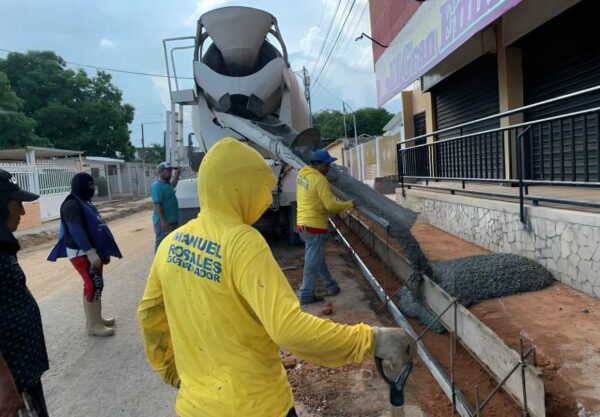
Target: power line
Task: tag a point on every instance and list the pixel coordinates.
(312, 47)
(327, 36)
(323, 88)
(346, 41)
(122, 71)
(336, 40)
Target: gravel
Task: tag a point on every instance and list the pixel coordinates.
(477, 278)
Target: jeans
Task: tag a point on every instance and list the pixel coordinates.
(314, 265)
(160, 234)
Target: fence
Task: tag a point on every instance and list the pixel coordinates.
(43, 178)
(138, 178)
(561, 150)
(376, 158)
(50, 179)
(54, 177)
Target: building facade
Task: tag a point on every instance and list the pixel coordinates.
(504, 94)
(455, 61)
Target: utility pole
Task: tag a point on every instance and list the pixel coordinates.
(306, 78)
(344, 110)
(144, 161)
(143, 153)
(344, 104)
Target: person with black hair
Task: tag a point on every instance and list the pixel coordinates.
(88, 243)
(23, 355)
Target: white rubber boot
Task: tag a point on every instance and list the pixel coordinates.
(95, 326)
(107, 321)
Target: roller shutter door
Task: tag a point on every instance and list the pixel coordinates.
(469, 94)
(562, 57)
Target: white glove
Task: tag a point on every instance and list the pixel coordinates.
(95, 261)
(394, 347)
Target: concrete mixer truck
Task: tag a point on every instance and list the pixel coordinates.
(242, 80)
(243, 87)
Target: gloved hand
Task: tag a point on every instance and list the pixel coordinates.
(95, 261)
(106, 260)
(394, 347)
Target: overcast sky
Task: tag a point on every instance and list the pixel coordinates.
(128, 35)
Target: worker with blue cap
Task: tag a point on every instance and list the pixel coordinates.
(315, 203)
(165, 213)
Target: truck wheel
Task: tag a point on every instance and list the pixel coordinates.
(293, 237)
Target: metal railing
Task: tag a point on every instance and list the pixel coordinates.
(562, 150)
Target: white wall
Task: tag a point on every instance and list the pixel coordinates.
(50, 206)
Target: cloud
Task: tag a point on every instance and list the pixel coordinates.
(202, 7)
(310, 43)
(349, 73)
(161, 87)
(106, 43)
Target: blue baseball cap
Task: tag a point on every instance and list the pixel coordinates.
(322, 156)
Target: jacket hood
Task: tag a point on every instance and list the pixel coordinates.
(235, 181)
(80, 186)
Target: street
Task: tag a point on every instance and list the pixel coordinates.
(92, 376)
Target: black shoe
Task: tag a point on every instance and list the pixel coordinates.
(311, 299)
(332, 291)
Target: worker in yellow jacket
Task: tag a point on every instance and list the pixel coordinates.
(315, 203)
(217, 307)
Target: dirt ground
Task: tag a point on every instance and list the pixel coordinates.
(354, 390)
(562, 323)
(439, 246)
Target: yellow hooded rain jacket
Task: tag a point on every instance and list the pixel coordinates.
(315, 199)
(217, 306)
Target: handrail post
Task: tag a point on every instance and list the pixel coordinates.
(401, 169)
(521, 172)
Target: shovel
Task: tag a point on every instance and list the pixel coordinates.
(396, 386)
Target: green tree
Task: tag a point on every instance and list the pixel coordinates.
(155, 154)
(71, 109)
(369, 121)
(330, 123)
(16, 129)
